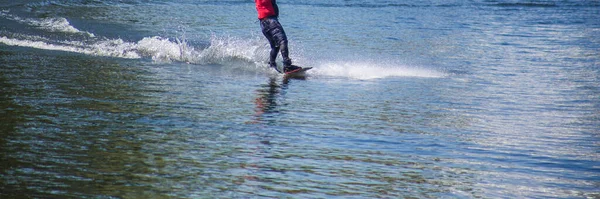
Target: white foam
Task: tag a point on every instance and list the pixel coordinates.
(226, 49)
(58, 24)
(164, 50)
(359, 70)
(222, 50)
(37, 44)
(112, 48)
(52, 24)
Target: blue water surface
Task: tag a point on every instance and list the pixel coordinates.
(419, 99)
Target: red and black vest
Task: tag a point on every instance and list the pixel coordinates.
(266, 8)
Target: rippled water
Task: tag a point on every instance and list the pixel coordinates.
(424, 99)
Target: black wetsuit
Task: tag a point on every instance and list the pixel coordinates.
(274, 32)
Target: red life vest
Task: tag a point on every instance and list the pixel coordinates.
(265, 8)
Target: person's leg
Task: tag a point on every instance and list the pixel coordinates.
(273, 54)
(280, 39)
(268, 26)
(285, 53)
(287, 62)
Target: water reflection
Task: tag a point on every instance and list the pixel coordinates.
(267, 100)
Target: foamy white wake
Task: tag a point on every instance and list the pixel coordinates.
(221, 49)
(158, 48)
(226, 49)
(52, 24)
(358, 70)
(111, 48)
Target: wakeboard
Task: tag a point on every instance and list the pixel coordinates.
(298, 73)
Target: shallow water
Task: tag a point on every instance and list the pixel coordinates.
(425, 99)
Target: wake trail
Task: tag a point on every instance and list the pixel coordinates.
(248, 53)
(367, 70)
